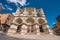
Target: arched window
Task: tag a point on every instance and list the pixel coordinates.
(38, 15)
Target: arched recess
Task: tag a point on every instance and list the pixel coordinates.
(41, 22)
(31, 29)
(41, 28)
(19, 23)
(30, 20)
(19, 28)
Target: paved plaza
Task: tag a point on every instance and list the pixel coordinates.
(28, 37)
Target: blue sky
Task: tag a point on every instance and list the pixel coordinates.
(51, 7)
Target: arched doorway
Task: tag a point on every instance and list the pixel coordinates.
(19, 28)
(31, 29)
(41, 28)
(19, 23)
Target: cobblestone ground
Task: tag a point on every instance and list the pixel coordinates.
(28, 37)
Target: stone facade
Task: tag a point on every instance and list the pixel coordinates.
(29, 21)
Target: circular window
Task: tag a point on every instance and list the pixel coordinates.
(30, 20)
(41, 21)
(19, 20)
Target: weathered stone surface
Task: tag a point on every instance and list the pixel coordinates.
(28, 37)
(30, 19)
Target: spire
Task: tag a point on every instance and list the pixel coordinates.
(18, 11)
(42, 13)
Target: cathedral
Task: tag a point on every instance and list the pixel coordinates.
(29, 21)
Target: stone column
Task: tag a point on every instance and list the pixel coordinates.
(23, 30)
(13, 29)
(37, 29)
(29, 29)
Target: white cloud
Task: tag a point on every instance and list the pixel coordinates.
(2, 6)
(8, 7)
(21, 2)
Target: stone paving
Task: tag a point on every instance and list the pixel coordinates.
(28, 37)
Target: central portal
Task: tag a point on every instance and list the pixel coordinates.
(31, 29)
